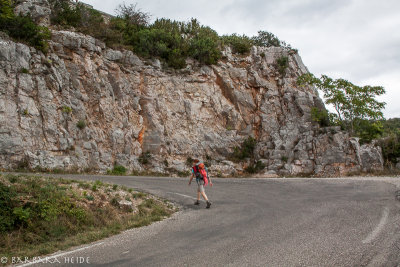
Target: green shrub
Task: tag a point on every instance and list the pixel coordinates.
(166, 164)
(368, 130)
(204, 44)
(246, 150)
(284, 158)
(390, 148)
(66, 109)
(239, 44)
(81, 124)
(282, 64)
(115, 186)
(24, 70)
(114, 202)
(117, 170)
(144, 158)
(89, 197)
(83, 185)
(133, 16)
(255, 167)
(98, 183)
(159, 42)
(22, 28)
(22, 214)
(7, 204)
(320, 116)
(266, 39)
(13, 179)
(138, 195)
(65, 14)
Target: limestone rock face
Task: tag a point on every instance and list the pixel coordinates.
(84, 106)
(39, 10)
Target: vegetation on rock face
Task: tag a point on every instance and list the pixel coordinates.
(283, 64)
(42, 215)
(81, 124)
(145, 158)
(320, 116)
(267, 39)
(171, 41)
(390, 141)
(246, 150)
(22, 28)
(117, 170)
(255, 167)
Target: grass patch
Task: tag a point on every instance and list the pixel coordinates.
(117, 170)
(41, 215)
(81, 124)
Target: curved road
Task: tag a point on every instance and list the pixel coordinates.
(259, 222)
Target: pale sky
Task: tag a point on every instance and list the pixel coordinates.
(358, 40)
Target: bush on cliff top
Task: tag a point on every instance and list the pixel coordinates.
(171, 41)
(22, 28)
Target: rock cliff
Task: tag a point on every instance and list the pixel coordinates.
(84, 106)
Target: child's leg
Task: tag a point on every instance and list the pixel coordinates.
(204, 196)
(203, 193)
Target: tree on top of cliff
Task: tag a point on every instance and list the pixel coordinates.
(22, 28)
(133, 15)
(353, 104)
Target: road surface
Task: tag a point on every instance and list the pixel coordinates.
(257, 222)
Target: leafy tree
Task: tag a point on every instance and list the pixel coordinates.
(266, 39)
(64, 14)
(239, 44)
(204, 45)
(352, 103)
(133, 16)
(368, 130)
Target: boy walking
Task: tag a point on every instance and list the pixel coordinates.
(199, 171)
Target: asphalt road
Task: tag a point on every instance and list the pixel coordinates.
(258, 222)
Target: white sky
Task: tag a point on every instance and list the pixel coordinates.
(358, 40)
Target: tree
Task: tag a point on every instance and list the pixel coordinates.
(133, 15)
(353, 104)
(268, 39)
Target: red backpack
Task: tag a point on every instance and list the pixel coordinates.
(200, 173)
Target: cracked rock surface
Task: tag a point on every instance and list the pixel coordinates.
(126, 106)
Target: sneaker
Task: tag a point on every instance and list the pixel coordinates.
(197, 202)
(208, 205)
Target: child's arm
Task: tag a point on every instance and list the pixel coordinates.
(209, 178)
(191, 178)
